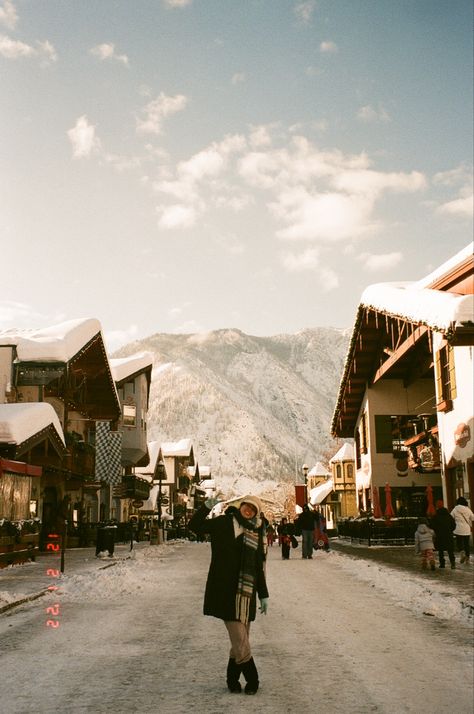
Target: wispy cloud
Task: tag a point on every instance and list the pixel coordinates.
(463, 206)
(238, 78)
(298, 262)
(328, 47)
(304, 11)
(370, 114)
(116, 338)
(8, 15)
(177, 3)
(382, 261)
(15, 49)
(106, 51)
(460, 179)
(83, 139)
(156, 111)
(177, 216)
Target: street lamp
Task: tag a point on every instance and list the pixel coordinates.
(160, 473)
(305, 470)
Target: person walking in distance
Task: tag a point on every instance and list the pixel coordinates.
(236, 577)
(464, 518)
(424, 544)
(284, 537)
(305, 524)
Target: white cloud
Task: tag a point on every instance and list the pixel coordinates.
(106, 51)
(460, 177)
(328, 279)
(260, 136)
(177, 216)
(83, 139)
(328, 47)
(370, 114)
(238, 78)
(15, 49)
(298, 262)
(157, 110)
(304, 11)
(116, 338)
(8, 15)
(177, 3)
(322, 216)
(463, 206)
(382, 261)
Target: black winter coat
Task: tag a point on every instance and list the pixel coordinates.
(306, 521)
(443, 525)
(226, 558)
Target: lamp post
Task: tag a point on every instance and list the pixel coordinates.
(160, 472)
(305, 470)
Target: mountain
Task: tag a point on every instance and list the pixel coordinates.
(256, 408)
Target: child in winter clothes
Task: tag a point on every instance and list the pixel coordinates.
(424, 544)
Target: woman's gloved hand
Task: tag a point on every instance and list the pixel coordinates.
(211, 502)
(264, 605)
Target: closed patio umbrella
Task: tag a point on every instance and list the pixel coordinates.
(431, 510)
(376, 502)
(389, 513)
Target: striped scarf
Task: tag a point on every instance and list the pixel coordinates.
(248, 571)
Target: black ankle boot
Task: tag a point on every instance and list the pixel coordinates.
(251, 676)
(233, 674)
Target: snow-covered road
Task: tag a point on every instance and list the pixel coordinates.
(131, 638)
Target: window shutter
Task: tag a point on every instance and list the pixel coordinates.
(439, 377)
(452, 372)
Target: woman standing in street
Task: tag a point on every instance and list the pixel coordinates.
(236, 576)
(464, 518)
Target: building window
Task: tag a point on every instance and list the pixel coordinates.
(391, 432)
(338, 471)
(129, 415)
(350, 471)
(445, 378)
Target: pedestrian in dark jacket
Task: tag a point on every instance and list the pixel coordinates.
(305, 524)
(443, 525)
(285, 531)
(236, 576)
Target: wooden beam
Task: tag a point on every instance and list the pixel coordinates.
(405, 347)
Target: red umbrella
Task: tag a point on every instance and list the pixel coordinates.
(431, 510)
(376, 502)
(388, 502)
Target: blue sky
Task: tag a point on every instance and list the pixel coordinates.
(188, 165)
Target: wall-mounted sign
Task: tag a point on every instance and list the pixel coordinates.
(462, 435)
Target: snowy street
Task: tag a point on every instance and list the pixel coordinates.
(131, 637)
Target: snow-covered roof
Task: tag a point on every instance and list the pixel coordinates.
(150, 503)
(126, 366)
(208, 484)
(57, 343)
(318, 470)
(153, 452)
(345, 453)
(177, 448)
(319, 493)
(443, 269)
(438, 309)
(19, 422)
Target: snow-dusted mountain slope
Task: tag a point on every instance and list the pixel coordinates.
(254, 407)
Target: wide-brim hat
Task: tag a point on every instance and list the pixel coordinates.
(252, 500)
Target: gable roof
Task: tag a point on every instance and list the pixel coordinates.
(19, 422)
(57, 343)
(345, 453)
(127, 367)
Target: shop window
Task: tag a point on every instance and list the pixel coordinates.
(445, 378)
(129, 415)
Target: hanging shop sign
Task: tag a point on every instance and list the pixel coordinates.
(462, 435)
